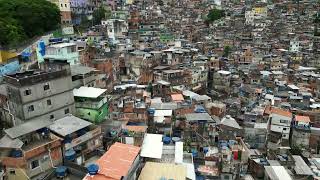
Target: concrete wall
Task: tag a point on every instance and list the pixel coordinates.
(93, 115)
(37, 92)
(60, 94)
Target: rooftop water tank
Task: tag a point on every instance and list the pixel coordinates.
(61, 171)
(166, 140)
(70, 155)
(93, 169)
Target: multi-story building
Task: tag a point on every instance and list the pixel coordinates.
(44, 94)
(83, 76)
(279, 128)
(91, 104)
(65, 10)
(301, 131)
(63, 51)
(80, 137)
(29, 150)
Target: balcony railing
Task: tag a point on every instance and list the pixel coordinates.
(92, 104)
(87, 136)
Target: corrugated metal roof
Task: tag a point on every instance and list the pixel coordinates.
(27, 127)
(156, 171)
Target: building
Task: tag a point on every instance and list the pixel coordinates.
(279, 125)
(79, 135)
(121, 161)
(155, 171)
(276, 172)
(91, 104)
(29, 150)
(63, 51)
(301, 131)
(39, 94)
(83, 76)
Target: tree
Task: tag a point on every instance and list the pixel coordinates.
(27, 18)
(226, 51)
(100, 14)
(215, 14)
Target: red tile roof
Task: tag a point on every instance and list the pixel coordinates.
(303, 119)
(116, 162)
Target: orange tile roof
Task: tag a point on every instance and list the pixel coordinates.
(116, 162)
(281, 112)
(136, 128)
(177, 97)
(303, 119)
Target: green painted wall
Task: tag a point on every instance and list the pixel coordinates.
(95, 116)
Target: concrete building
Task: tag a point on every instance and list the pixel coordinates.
(83, 76)
(30, 150)
(91, 104)
(44, 94)
(63, 51)
(301, 131)
(79, 135)
(279, 128)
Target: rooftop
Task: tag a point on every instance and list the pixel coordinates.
(27, 127)
(152, 146)
(62, 45)
(88, 92)
(68, 125)
(80, 70)
(156, 171)
(198, 117)
(116, 162)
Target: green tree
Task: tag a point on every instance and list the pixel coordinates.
(11, 32)
(226, 51)
(215, 14)
(28, 18)
(100, 14)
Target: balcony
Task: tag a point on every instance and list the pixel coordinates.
(92, 104)
(41, 146)
(96, 131)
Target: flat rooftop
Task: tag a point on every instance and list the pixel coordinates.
(68, 125)
(88, 92)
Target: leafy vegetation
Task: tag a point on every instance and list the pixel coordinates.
(226, 51)
(24, 19)
(100, 14)
(215, 14)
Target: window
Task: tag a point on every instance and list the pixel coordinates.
(34, 164)
(61, 5)
(46, 87)
(30, 108)
(283, 121)
(27, 92)
(51, 116)
(226, 176)
(49, 102)
(65, 5)
(284, 129)
(12, 172)
(66, 111)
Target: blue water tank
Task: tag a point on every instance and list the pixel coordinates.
(61, 171)
(16, 153)
(194, 152)
(166, 140)
(151, 111)
(70, 155)
(93, 169)
(205, 150)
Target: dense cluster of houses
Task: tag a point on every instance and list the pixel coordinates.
(156, 92)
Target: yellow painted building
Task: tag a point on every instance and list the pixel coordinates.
(6, 55)
(260, 10)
